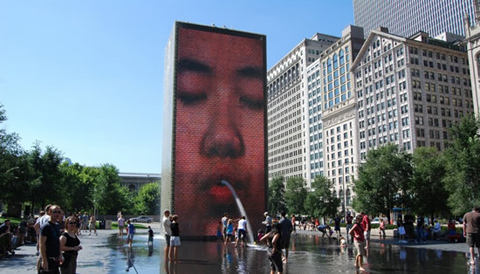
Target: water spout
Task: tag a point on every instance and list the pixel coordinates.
(242, 210)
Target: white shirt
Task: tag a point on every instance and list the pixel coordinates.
(242, 224)
(167, 229)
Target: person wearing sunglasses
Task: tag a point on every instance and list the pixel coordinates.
(70, 245)
(50, 257)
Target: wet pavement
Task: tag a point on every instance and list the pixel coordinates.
(310, 253)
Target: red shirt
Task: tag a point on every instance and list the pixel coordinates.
(358, 233)
(366, 223)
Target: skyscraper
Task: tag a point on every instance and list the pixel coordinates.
(287, 96)
(407, 17)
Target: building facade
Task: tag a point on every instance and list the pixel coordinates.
(135, 181)
(406, 17)
(332, 127)
(287, 100)
(410, 91)
(473, 48)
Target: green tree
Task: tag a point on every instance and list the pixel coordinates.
(463, 166)
(383, 181)
(46, 175)
(428, 190)
(295, 195)
(77, 181)
(147, 202)
(12, 162)
(276, 195)
(320, 202)
(108, 194)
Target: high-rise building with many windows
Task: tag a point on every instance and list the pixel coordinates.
(407, 17)
(332, 128)
(287, 96)
(410, 91)
(473, 48)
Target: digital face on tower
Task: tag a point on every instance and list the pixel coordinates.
(219, 127)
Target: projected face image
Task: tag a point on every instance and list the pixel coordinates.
(219, 128)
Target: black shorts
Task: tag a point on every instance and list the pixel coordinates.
(286, 242)
(473, 239)
(276, 263)
(167, 239)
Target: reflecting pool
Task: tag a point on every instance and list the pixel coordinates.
(308, 254)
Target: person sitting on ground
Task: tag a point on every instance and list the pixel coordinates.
(451, 228)
(437, 229)
(6, 238)
(325, 229)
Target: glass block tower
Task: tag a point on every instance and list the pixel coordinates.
(407, 17)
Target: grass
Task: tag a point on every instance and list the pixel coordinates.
(137, 226)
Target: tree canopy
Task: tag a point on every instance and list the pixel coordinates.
(383, 181)
(320, 202)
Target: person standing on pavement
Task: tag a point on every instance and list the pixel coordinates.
(286, 228)
(50, 256)
(130, 233)
(175, 239)
(92, 225)
(358, 236)
(242, 231)
(408, 224)
(381, 229)
(121, 225)
(167, 231)
(366, 228)
(294, 224)
(267, 222)
(337, 221)
(420, 230)
(349, 221)
(224, 221)
(70, 245)
(471, 230)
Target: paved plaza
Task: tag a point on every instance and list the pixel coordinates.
(107, 254)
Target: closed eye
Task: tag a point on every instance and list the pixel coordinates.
(189, 99)
(252, 103)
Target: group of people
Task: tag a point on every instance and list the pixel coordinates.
(277, 238)
(86, 222)
(171, 230)
(57, 241)
(231, 232)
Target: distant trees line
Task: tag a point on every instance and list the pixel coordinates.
(427, 182)
(36, 177)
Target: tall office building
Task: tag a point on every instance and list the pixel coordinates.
(332, 128)
(406, 17)
(287, 97)
(473, 46)
(409, 91)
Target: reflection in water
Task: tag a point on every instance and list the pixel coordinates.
(309, 254)
(130, 260)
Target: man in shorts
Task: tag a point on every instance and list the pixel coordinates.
(358, 236)
(121, 225)
(471, 230)
(224, 225)
(167, 231)
(366, 228)
(286, 228)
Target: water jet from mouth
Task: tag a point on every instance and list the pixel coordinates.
(242, 210)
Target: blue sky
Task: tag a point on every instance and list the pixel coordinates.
(86, 77)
